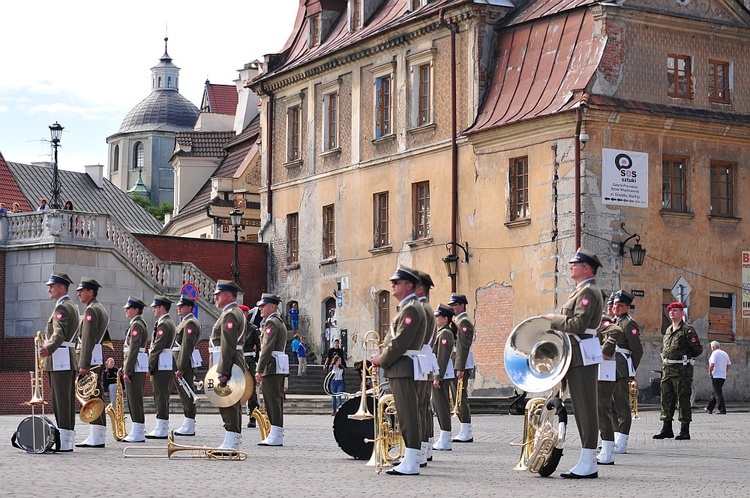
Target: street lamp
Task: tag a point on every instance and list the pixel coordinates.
(637, 253)
(451, 260)
(56, 132)
(235, 216)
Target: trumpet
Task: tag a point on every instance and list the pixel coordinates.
(203, 452)
(86, 391)
(459, 395)
(186, 387)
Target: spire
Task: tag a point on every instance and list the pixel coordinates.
(165, 75)
(166, 56)
(140, 189)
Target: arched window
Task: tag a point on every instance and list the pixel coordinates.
(169, 82)
(116, 159)
(159, 82)
(138, 156)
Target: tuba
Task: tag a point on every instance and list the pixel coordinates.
(536, 360)
(116, 412)
(86, 391)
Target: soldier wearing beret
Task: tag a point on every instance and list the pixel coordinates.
(160, 364)
(92, 330)
(226, 343)
(59, 357)
(134, 368)
(628, 355)
(680, 346)
(464, 364)
(424, 387)
(400, 349)
(580, 317)
(187, 335)
(444, 381)
(272, 367)
(609, 335)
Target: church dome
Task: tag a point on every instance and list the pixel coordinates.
(163, 110)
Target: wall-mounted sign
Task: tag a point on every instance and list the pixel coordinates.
(624, 178)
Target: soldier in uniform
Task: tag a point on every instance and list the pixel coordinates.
(445, 378)
(250, 352)
(464, 363)
(424, 387)
(680, 346)
(134, 369)
(94, 322)
(227, 341)
(629, 353)
(273, 366)
(400, 349)
(160, 364)
(187, 335)
(580, 317)
(609, 335)
(59, 358)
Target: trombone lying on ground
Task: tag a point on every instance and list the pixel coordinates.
(176, 451)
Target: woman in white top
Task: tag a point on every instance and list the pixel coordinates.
(337, 383)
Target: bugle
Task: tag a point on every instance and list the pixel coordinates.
(173, 451)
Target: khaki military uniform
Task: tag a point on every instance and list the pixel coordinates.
(680, 345)
(580, 317)
(273, 339)
(406, 336)
(161, 380)
(228, 334)
(424, 387)
(251, 353)
(135, 342)
(187, 335)
(94, 322)
(629, 346)
(609, 336)
(442, 347)
(464, 339)
(61, 332)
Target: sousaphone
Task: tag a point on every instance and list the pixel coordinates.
(228, 394)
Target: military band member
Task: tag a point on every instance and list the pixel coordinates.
(59, 357)
(187, 335)
(680, 346)
(273, 366)
(464, 363)
(445, 379)
(226, 344)
(580, 317)
(134, 368)
(250, 352)
(609, 335)
(424, 387)
(629, 353)
(94, 322)
(160, 364)
(400, 349)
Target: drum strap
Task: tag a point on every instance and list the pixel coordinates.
(55, 447)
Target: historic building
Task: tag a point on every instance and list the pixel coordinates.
(506, 133)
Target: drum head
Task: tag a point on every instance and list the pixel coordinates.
(350, 434)
(35, 434)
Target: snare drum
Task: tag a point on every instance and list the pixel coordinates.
(36, 434)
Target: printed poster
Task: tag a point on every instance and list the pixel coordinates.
(624, 178)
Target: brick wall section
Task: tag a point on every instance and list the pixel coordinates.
(493, 324)
(214, 257)
(3, 254)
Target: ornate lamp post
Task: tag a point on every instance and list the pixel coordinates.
(56, 132)
(235, 216)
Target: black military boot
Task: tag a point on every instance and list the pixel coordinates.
(684, 431)
(666, 431)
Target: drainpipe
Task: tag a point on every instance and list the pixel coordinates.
(269, 161)
(454, 147)
(577, 159)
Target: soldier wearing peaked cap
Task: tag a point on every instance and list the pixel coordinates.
(400, 350)
(609, 334)
(134, 368)
(273, 366)
(429, 363)
(464, 363)
(580, 317)
(92, 331)
(160, 364)
(444, 381)
(629, 352)
(59, 358)
(186, 358)
(225, 347)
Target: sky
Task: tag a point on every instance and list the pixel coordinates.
(85, 64)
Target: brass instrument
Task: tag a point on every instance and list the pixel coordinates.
(116, 412)
(261, 420)
(536, 360)
(186, 387)
(86, 390)
(459, 395)
(37, 381)
(173, 448)
(228, 394)
(633, 397)
(371, 347)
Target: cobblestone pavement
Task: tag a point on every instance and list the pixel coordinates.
(716, 462)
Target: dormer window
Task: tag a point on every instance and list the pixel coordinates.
(355, 15)
(415, 4)
(315, 30)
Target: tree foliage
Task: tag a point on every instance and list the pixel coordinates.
(157, 212)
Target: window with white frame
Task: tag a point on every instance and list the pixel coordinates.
(383, 80)
(330, 99)
(421, 70)
(293, 128)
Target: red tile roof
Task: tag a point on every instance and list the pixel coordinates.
(222, 99)
(10, 192)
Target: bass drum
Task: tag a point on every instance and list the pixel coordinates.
(350, 434)
(36, 434)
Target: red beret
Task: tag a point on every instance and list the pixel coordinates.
(674, 305)
(244, 308)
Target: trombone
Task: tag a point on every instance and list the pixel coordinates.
(191, 452)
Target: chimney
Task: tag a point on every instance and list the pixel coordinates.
(96, 173)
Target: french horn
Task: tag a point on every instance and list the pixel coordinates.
(536, 360)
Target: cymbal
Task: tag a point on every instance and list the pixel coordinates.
(228, 395)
